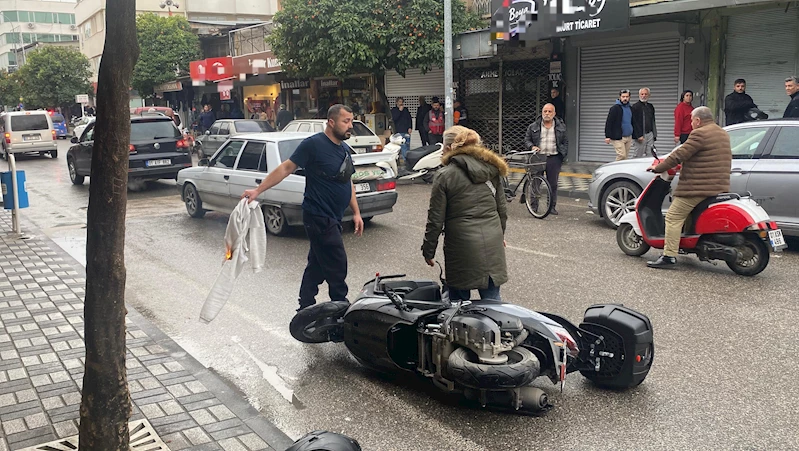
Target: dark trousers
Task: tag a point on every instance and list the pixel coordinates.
(435, 139)
(327, 260)
(683, 138)
(424, 137)
(552, 171)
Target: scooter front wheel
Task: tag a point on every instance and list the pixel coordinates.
(630, 242)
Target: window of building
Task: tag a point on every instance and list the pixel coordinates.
(87, 30)
(66, 18)
(24, 16)
(40, 17)
(100, 22)
(10, 16)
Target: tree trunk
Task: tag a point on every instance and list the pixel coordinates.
(106, 405)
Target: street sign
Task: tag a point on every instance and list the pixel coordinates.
(82, 98)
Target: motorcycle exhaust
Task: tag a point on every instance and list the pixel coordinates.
(717, 251)
(528, 399)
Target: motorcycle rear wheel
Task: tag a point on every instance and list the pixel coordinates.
(522, 368)
(317, 323)
(753, 259)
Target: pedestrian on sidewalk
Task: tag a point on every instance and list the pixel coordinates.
(792, 89)
(421, 116)
(207, 118)
(682, 117)
(403, 124)
(547, 136)
(468, 203)
(737, 104)
(556, 100)
(619, 126)
(284, 116)
(644, 131)
(434, 123)
(461, 114)
(705, 157)
(328, 192)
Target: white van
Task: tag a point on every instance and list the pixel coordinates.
(28, 131)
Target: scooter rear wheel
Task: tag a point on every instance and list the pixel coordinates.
(630, 242)
(753, 258)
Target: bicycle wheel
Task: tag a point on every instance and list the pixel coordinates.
(538, 196)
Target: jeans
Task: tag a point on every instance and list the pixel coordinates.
(679, 210)
(327, 260)
(492, 292)
(407, 146)
(554, 164)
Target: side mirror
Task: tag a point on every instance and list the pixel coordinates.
(203, 162)
(74, 140)
(655, 153)
(208, 132)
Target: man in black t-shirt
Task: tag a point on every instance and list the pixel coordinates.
(328, 192)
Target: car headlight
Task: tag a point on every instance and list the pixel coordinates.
(596, 174)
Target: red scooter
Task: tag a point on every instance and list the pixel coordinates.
(726, 227)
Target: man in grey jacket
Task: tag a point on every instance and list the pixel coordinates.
(547, 136)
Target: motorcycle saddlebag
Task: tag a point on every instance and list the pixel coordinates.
(635, 331)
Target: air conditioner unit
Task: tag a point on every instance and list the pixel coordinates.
(73, 27)
(31, 25)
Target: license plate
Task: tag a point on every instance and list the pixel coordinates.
(777, 240)
(32, 137)
(151, 163)
(362, 188)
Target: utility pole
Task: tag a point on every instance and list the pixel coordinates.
(448, 100)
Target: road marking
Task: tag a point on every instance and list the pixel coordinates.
(271, 377)
(515, 248)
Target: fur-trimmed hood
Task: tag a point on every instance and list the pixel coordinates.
(479, 163)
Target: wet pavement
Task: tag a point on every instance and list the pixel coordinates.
(724, 366)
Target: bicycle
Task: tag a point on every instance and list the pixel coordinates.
(536, 191)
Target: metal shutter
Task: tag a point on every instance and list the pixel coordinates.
(604, 70)
(761, 48)
(415, 84)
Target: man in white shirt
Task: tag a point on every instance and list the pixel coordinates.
(547, 136)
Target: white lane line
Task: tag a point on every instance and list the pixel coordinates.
(515, 248)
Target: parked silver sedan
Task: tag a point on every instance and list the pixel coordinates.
(765, 163)
(223, 129)
(243, 161)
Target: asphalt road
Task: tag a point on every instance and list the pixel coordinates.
(725, 368)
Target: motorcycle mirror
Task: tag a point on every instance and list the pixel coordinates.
(655, 153)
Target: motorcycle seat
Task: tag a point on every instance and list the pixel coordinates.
(413, 156)
(690, 224)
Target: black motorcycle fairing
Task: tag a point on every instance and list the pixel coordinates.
(413, 156)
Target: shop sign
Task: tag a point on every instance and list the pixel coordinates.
(295, 84)
(211, 69)
(494, 73)
(169, 87)
(224, 95)
(537, 20)
(335, 83)
(256, 63)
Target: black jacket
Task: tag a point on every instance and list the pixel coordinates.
(402, 120)
(793, 106)
(283, 119)
(560, 107)
(735, 107)
(533, 136)
(613, 128)
(421, 114)
(643, 119)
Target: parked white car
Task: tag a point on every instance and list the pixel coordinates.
(363, 139)
(243, 161)
(82, 124)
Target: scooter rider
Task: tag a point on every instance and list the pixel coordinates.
(706, 157)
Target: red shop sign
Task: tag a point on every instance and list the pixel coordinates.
(211, 69)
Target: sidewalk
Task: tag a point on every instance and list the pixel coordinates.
(42, 353)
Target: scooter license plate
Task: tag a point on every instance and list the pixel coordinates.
(777, 240)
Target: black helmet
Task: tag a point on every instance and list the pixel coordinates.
(324, 441)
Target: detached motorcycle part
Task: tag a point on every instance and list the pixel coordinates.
(324, 441)
(521, 369)
(319, 323)
(625, 351)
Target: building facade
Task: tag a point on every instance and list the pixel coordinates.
(27, 22)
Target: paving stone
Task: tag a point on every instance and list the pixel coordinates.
(52, 402)
(60, 376)
(150, 383)
(196, 387)
(41, 380)
(197, 436)
(178, 390)
(221, 412)
(26, 395)
(17, 373)
(7, 400)
(66, 429)
(8, 355)
(152, 411)
(175, 442)
(252, 441)
(202, 417)
(31, 360)
(14, 426)
(71, 398)
(232, 444)
(171, 407)
(37, 420)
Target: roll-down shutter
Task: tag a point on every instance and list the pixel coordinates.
(415, 84)
(761, 49)
(604, 70)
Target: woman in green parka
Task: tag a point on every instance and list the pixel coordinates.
(468, 204)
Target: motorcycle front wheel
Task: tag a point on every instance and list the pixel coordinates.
(630, 242)
(753, 257)
(318, 323)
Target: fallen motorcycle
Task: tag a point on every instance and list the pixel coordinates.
(488, 351)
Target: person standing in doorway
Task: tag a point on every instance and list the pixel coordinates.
(284, 116)
(737, 104)
(644, 130)
(421, 116)
(619, 126)
(434, 123)
(792, 89)
(461, 114)
(207, 118)
(403, 124)
(328, 192)
(682, 117)
(556, 100)
(547, 136)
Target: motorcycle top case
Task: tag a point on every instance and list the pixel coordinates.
(635, 329)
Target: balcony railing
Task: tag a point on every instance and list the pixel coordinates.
(249, 40)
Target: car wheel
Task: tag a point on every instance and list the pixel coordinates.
(367, 219)
(194, 205)
(54, 153)
(275, 221)
(618, 200)
(73, 172)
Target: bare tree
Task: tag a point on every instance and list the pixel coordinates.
(105, 407)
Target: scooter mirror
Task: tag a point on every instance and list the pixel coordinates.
(655, 153)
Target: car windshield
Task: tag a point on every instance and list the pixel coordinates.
(359, 129)
(149, 130)
(253, 127)
(29, 122)
(58, 118)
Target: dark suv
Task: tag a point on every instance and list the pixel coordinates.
(157, 150)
